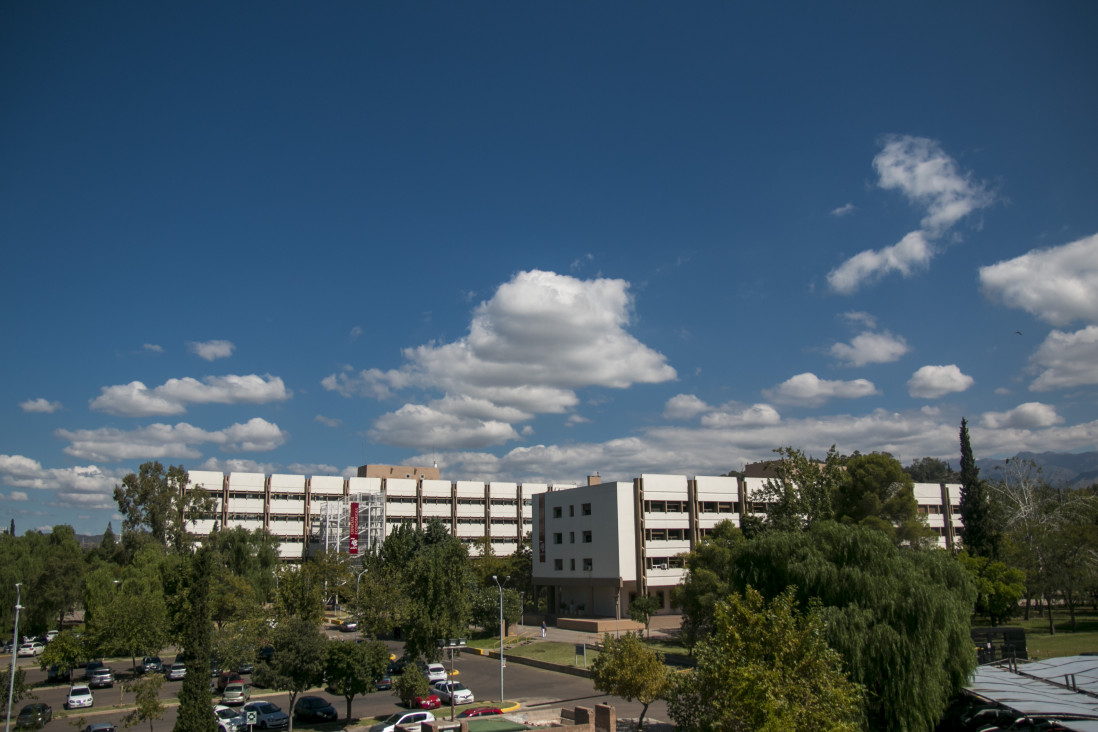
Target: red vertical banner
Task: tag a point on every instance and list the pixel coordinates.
(352, 539)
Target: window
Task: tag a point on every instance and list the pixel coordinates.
(587, 537)
(558, 538)
(573, 564)
(588, 564)
(587, 509)
(571, 511)
(556, 512)
(558, 564)
(571, 537)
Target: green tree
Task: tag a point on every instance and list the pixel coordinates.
(803, 491)
(438, 582)
(65, 651)
(877, 493)
(708, 580)
(382, 603)
(251, 556)
(147, 704)
(642, 608)
(300, 594)
(298, 661)
(352, 668)
(195, 707)
(628, 669)
(411, 684)
(999, 587)
(898, 616)
(931, 470)
(980, 535)
(55, 588)
(766, 668)
(155, 502)
(20, 690)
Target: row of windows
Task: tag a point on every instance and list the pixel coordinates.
(558, 511)
(663, 562)
(934, 509)
(559, 538)
(588, 565)
(666, 506)
(719, 507)
(667, 534)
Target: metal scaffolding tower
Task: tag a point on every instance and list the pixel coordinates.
(331, 530)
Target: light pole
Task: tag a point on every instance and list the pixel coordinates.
(496, 580)
(14, 653)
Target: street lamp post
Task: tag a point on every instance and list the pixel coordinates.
(15, 653)
(496, 580)
(358, 633)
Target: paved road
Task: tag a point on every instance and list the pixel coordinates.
(536, 690)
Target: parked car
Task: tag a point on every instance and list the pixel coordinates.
(34, 715)
(268, 715)
(176, 671)
(396, 666)
(453, 691)
(58, 673)
(91, 666)
(480, 712)
(80, 697)
(236, 692)
(228, 720)
(348, 626)
(151, 665)
(245, 668)
(431, 701)
(100, 727)
(435, 672)
(402, 718)
(314, 709)
(51, 634)
(384, 683)
(101, 678)
(226, 678)
(33, 648)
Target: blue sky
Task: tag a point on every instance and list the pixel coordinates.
(531, 241)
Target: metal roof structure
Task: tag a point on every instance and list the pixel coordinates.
(1065, 689)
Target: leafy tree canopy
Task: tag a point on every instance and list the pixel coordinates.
(629, 669)
(351, 669)
(298, 661)
(877, 493)
(931, 470)
(803, 491)
(153, 501)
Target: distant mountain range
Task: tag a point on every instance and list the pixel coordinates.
(1058, 468)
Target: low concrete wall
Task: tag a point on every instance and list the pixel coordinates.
(598, 625)
(572, 670)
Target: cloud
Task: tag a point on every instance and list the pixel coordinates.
(15, 496)
(684, 406)
(1028, 415)
(908, 256)
(211, 350)
(918, 168)
(857, 317)
(539, 338)
(40, 405)
(869, 348)
(931, 382)
(715, 447)
(807, 389)
(1066, 359)
(239, 465)
(312, 469)
(85, 486)
(328, 421)
(137, 400)
(1058, 285)
(158, 441)
(843, 210)
(355, 334)
(153, 348)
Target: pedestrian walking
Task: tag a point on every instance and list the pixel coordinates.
(542, 628)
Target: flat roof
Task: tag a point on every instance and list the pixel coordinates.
(1065, 689)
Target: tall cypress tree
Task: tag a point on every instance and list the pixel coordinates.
(980, 536)
(195, 704)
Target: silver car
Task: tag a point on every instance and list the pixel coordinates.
(80, 697)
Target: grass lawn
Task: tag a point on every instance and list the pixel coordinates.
(1041, 644)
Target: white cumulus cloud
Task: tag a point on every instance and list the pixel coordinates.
(40, 405)
(540, 337)
(1058, 285)
(86, 486)
(931, 382)
(1027, 416)
(1066, 359)
(158, 441)
(807, 389)
(869, 347)
(211, 350)
(684, 406)
(172, 397)
(921, 170)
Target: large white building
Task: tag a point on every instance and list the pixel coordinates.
(598, 546)
(595, 547)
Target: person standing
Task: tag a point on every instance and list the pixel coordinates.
(542, 628)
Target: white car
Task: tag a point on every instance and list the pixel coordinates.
(453, 691)
(30, 649)
(402, 718)
(228, 719)
(80, 697)
(435, 672)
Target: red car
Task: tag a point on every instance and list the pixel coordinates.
(428, 702)
(480, 712)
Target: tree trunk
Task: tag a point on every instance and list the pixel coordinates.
(1051, 624)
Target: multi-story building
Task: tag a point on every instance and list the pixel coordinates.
(598, 546)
